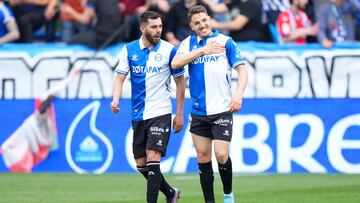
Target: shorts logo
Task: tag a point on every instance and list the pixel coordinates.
(223, 122)
(226, 133)
(151, 173)
(159, 143)
(157, 129)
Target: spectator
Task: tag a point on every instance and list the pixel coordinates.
(177, 27)
(294, 25)
(246, 22)
(76, 16)
(161, 7)
(32, 15)
(272, 8)
(350, 9)
(8, 28)
(130, 11)
(335, 25)
(108, 22)
(310, 11)
(222, 17)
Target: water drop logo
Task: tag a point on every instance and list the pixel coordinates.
(88, 152)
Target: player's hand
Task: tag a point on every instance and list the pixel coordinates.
(213, 47)
(178, 123)
(235, 104)
(114, 106)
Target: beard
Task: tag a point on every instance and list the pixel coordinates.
(151, 39)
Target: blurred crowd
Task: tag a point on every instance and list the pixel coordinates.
(92, 22)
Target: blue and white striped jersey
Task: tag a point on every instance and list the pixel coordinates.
(150, 72)
(210, 75)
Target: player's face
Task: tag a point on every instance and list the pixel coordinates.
(201, 25)
(152, 30)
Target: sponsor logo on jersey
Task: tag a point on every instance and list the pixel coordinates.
(145, 69)
(204, 59)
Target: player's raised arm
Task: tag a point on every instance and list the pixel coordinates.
(181, 59)
(236, 101)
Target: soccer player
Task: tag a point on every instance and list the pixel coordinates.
(210, 57)
(148, 60)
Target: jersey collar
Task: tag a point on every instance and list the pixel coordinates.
(155, 47)
(214, 33)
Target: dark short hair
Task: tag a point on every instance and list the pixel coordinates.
(195, 10)
(149, 15)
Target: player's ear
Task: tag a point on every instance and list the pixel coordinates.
(142, 27)
(191, 27)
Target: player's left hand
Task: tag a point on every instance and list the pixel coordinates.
(178, 123)
(235, 104)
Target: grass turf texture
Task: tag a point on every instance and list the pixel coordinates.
(131, 188)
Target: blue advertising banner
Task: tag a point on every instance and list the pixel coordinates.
(270, 136)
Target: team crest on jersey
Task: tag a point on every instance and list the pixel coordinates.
(158, 57)
(134, 58)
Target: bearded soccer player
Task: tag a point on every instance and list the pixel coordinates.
(148, 60)
(211, 56)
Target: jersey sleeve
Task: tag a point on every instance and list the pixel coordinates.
(178, 72)
(123, 65)
(233, 53)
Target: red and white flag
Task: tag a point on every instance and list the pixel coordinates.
(31, 142)
(37, 135)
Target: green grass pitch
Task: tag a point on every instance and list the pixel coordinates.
(131, 188)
